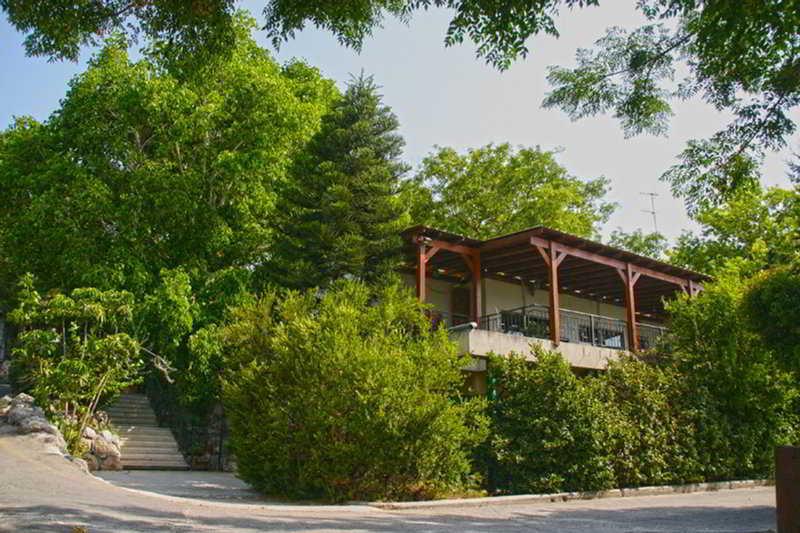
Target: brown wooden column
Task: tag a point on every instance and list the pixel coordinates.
(555, 306)
(629, 278)
(552, 257)
(475, 304)
(421, 274)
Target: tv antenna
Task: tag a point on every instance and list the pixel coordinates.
(652, 210)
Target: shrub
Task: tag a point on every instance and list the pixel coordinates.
(72, 353)
(738, 398)
(347, 394)
(651, 439)
(549, 432)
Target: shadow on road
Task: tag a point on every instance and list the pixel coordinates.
(134, 518)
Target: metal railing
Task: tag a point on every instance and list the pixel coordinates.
(584, 328)
(530, 321)
(649, 335)
(597, 330)
(444, 319)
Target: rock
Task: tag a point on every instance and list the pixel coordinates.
(111, 463)
(22, 399)
(80, 463)
(21, 411)
(103, 448)
(92, 462)
(37, 424)
(5, 405)
(110, 437)
(54, 444)
(89, 433)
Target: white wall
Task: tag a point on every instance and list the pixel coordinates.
(500, 295)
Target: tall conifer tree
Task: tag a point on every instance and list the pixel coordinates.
(339, 213)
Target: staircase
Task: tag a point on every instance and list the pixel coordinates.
(145, 445)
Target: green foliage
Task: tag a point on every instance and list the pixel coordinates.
(205, 27)
(772, 307)
(59, 28)
(651, 439)
(346, 394)
(496, 189)
(74, 353)
(548, 432)
(648, 244)
(757, 228)
(714, 409)
(339, 214)
(142, 168)
(738, 399)
(742, 57)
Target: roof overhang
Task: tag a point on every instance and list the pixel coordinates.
(589, 269)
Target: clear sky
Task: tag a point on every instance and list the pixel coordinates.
(447, 97)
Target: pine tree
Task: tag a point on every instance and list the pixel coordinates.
(339, 213)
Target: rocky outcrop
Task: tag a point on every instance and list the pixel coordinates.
(21, 415)
(103, 450)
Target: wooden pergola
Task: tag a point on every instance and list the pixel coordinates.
(561, 262)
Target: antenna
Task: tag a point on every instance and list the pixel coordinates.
(652, 209)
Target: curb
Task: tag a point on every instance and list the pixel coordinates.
(569, 496)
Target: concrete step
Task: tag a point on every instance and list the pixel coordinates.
(148, 440)
(145, 445)
(135, 420)
(132, 419)
(155, 466)
(134, 428)
(156, 456)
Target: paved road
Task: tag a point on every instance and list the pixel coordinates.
(41, 492)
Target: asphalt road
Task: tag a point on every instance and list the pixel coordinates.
(44, 492)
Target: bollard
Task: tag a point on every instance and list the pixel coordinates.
(787, 488)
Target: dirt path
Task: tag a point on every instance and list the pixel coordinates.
(40, 492)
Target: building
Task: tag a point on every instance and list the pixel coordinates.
(500, 295)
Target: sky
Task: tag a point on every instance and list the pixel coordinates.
(448, 97)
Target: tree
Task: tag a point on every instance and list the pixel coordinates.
(742, 403)
(347, 395)
(743, 57)
(142, 169)
(771, 307)
(74, 353)
(204, 27)
(648, 244)
(495, 189)
(339, 214)
(756, 226)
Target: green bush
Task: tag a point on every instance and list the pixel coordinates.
(652, 441)
(737, 397)
(549, 432)
(73, 353)
(347, 394)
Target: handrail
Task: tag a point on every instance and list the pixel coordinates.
(576, 326)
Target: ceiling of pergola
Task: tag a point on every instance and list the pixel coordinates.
(514, 259)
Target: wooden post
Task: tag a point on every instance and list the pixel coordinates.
(475, 307)
(421, 260)
(630, 279)
(555, 306)
(787, 488)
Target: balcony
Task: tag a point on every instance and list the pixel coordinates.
(587, 340)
